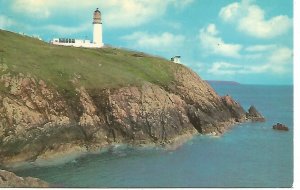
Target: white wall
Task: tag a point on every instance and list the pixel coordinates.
(78, 43)
(97, 35)
(97, 40)
(176, 60)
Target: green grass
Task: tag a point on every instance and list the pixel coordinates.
(97, 68)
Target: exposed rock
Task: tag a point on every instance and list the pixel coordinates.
(9, 179)
(37, 121)
(280, 127)
(254, 115)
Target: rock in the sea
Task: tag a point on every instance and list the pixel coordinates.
(9, 179)
(254, 115)
(281, 127)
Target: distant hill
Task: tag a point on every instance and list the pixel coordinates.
(221, 82)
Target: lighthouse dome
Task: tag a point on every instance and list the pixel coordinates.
(97, 17)
(97, 11)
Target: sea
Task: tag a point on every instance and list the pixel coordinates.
(249, 155)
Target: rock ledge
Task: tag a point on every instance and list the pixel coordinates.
(9, 179)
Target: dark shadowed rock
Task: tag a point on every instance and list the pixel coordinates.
(254, 115)
(235, 109)
(280, 127)
(9, 179)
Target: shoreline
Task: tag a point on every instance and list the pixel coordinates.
(69, 152)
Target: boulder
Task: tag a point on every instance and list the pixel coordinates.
(9, 179)
(254, 115)
(280, 127)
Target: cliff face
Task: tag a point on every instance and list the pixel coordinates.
(37, 121)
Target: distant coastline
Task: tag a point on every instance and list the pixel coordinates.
(223, 82)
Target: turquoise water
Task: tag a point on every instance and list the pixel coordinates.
(249, 155)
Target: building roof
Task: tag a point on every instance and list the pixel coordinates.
(97, 10)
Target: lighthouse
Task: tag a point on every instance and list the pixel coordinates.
(97, 36)
(97, 32)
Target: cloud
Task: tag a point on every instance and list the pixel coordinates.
(162, 41)
(215, 45)
(39, 9)
(230, 12)
(6, 22)
(259, 48)
(276, 62)
(250, 19)
(62, 30)
(281, 56)
(225, 68)
(130, 13)
(116, 13)
(253, 56)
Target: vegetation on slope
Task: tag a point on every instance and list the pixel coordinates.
(92, 68)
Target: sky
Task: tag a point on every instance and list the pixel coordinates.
(246, 41)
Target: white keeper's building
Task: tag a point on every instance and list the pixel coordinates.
(97, 36)
(176, 59)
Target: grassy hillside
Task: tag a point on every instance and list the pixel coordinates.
(94, 68)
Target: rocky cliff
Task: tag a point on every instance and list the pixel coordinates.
(57, 101)
(37, 121)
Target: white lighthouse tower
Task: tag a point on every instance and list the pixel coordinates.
(97, 36)
(97, 33)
